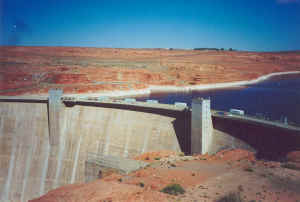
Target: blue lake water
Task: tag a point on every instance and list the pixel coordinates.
(274, 99)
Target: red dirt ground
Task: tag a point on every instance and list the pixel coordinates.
(204, 178)
(34, 70)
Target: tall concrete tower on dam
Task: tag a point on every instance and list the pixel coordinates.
(202, 129)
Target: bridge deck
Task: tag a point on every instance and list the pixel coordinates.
(254, 120)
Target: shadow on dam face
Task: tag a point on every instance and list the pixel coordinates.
(181, 124)
(269, 142)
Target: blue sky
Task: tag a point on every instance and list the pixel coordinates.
(257, 25)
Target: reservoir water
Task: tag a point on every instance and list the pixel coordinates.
(277, 98)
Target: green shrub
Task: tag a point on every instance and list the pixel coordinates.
(141, 184)
(173, 189)
(290, 166)
(249, 169)
(263, 175)
(157, 158)
(181, 154)
(231, 197)
(240, 188)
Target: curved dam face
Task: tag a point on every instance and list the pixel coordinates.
(30, 166)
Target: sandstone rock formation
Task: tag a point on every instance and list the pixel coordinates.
(33, 70)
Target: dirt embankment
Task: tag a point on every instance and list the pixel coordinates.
(232, 173)
(34, 70)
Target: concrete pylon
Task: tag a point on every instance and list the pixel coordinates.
(202, 129)
(54, 107)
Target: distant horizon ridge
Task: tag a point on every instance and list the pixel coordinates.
(169, 48)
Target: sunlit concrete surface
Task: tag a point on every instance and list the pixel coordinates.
(31, 166)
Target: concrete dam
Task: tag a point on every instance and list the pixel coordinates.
(33, 161)
(45, 144)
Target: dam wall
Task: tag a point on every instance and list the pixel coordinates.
(30, 165)
(36, 157)
(268, 140)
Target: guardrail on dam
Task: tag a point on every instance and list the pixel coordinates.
(44, 146)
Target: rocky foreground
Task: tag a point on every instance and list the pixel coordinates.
(233, 175)
(34, 70)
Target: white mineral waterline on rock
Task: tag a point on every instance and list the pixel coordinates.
(219, 85)
(153, 88)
